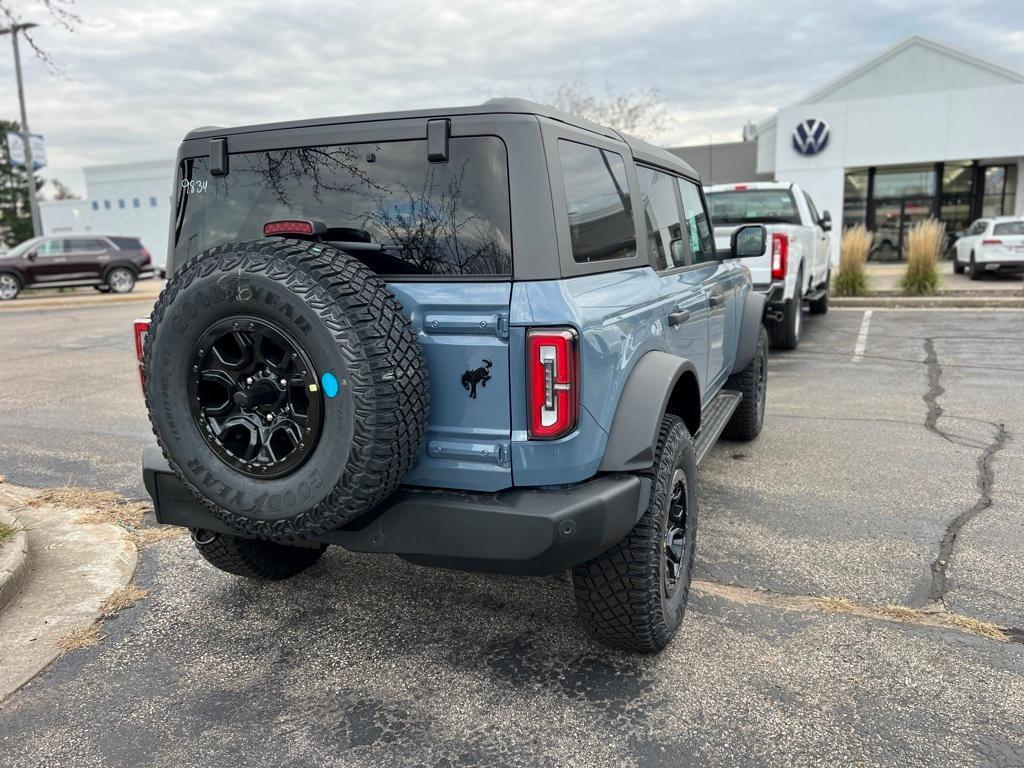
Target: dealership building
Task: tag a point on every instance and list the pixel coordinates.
(920, 130)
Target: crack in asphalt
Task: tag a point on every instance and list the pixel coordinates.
(935, 587)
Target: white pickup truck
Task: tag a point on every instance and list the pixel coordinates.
(796, 267)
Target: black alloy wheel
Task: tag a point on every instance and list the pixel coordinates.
(254, 396)
(676, 531)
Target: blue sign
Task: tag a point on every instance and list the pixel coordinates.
(810, 137)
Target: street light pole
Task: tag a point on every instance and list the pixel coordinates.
(26, 136)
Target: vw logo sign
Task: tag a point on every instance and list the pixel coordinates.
(810, 137)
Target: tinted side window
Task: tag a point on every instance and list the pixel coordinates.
(661, 215)
(978, 227)
(128, 243)
(597, 196)
(698, 226)
(79, 245)
(51, 248)
(814, 211)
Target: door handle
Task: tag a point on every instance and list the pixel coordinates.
(716, 300)
(678, 318)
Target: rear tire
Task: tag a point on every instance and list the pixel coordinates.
(752, 383)
(633, 596)
(820, 306)
(785, 334)
(10, 287)
(972, 269)
(120, 280)
(253, 559)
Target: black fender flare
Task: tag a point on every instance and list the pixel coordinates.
(750, 328)
(633, 439)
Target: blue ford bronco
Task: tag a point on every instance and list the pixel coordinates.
(492, 338)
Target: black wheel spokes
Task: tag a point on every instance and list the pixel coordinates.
(675, 534)
(250, 392)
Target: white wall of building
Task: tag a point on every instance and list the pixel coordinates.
(971, 124)
(131, 199)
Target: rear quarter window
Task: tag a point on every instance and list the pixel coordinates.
(597, 198)
(1009, 228)
(431, 219)
(127, 243)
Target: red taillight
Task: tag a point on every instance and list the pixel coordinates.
(991, 242)
(780, 252)
(141, 328)
(552, 361)
(740, 187)
(147, 256)
(290, 227)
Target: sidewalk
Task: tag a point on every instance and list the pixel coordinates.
(146, 292)
(884, 279)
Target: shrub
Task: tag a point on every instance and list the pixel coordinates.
(851, 280)
(924, 241)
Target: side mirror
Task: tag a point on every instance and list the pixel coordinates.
(748, 241)
(826, 221)
(678, 251)
(31, 255)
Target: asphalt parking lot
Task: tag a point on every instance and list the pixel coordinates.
(888, 473)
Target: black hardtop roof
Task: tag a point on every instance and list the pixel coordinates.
(642, 150)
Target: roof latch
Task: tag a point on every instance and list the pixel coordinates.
(438, 132)
(218, 157)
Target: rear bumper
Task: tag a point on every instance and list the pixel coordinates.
(1014, 265)
(521, 531)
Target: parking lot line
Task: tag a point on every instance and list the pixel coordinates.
(862, 337)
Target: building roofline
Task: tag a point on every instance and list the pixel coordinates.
(886, 54)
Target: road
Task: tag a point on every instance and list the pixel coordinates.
(889, 472)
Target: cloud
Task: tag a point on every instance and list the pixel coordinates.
(141, 74)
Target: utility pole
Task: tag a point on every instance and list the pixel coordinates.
(26, 137)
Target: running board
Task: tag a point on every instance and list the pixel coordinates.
(713, 421)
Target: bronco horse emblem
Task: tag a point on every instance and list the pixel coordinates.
(480, 376)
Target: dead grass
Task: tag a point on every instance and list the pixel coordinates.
(146, 536)
(975, 627)
(834, 604)
(924, 240)
(852, 279)
(123, 598)
(98, 506)
(80, 637)
(900, 612)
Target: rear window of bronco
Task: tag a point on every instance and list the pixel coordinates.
(431, 219)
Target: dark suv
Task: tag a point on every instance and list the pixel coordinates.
(107, 263)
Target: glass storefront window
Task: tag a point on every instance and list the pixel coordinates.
(1000, 190)
(905, 182)
(855, 198)
(958, 178)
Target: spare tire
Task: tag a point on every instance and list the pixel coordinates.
(285, 386)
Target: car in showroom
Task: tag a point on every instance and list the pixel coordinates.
(990, 245)
(495, 338)
(107, 262)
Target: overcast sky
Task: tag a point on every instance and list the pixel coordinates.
(139, 74)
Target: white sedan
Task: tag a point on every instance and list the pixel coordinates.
(990, 245)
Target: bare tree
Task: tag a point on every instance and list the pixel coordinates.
(61, 11)
(640, 112)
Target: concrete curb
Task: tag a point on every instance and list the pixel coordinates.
(25, 305)
(13, 560)
(930, 302)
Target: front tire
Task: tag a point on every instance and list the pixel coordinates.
(958, 268)
(752, 383)
(633, 596)
(253, 559)
(10, 287)
(120, 280)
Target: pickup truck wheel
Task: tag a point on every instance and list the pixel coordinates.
(785, 334)
(633, 596)
(9, 287)
(752, 383)
(285, 386)
(820, 305)
(120, 280)
(254, 559)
